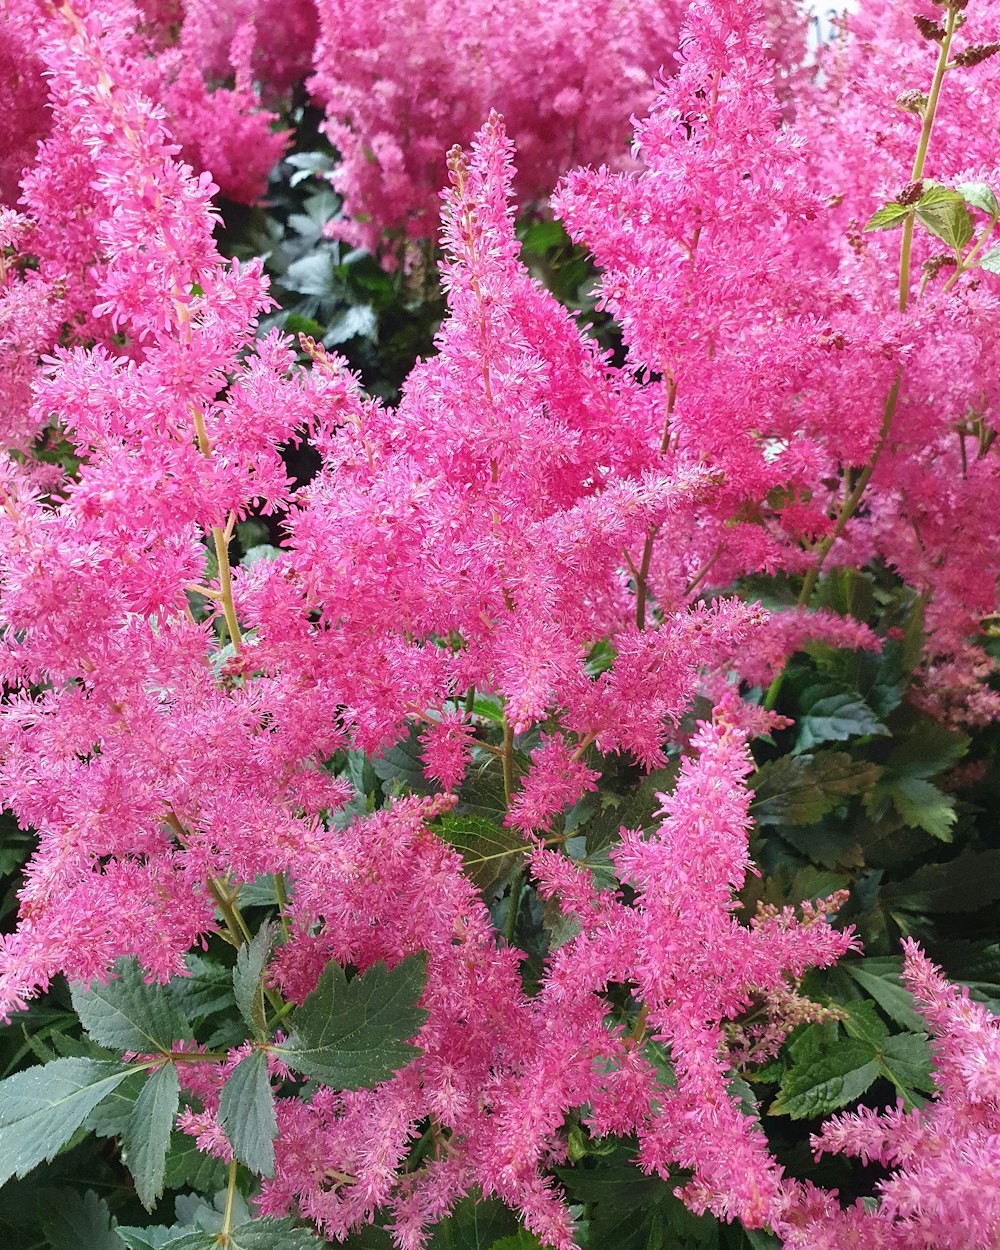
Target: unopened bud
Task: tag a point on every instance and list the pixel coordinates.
(911, 193)
(976, 52)
(928, 28)
(933, 265)
(911, 101)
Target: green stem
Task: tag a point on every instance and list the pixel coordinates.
(920, 160)
(225, 1235)
(507, 759)
(281, 894)
(513, 907)
(854, 496)
(642, 573)
(239, 931)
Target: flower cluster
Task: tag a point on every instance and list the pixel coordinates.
(511, 571)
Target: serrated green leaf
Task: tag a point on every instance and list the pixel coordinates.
(862, 1022)
(975, 964)
(923, 806)
(128, 1014)
(187, 1167)
(490, 852)
(181, 1241)
(990, 261)
(801, 789)
(262, 553)
(933, 750)
(880, 978)
(269, 1234)
(474, 1224)
(109, 1117)
(357, 321)
(207, 990)
(906, 1061)
(146, 1238)
(353, 1034)
(482, 794)
(147, 1133)
(835, 718)
(944, 213)
(247, 1114)
(521, 1240)
(979, 195)
(628, 1210)
(41, 1108)
(80, 1222)
(890, 217)
(825, 1084)
(251, 960)
(312, 274)
(404, 764)
(964, 884)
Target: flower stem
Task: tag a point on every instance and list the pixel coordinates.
(225, 1234)
(853, 499)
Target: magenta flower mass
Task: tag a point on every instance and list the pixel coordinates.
(524, 793)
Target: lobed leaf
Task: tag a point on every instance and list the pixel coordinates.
(146, 1138)
(41, 1108)
(247, 1113)
(353, 1034)
(129, 1014)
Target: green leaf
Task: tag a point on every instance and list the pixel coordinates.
(828, 1082)
(890, 217)
(189, 1168)
(490, 852)
(248, 975)
(247, 1114)
(352, 1034)
(801, 789)
(923, 806)
(880, 978)
(979, 195)
(271, 1234)
(358, 321)
(128, 1014)
(147, 1238)
(109, 1117)
(261, 553)
(404, 763)
(906, 1061)
(990, 261)
(944, 213)
(147, 1133)
(80, 1222)
(312, 275)
(41, 1108)
(475, 1223)
(928, 752)
(961, 885)
(482, 793)
(543, 236)
(521, 1240)
(207, 990)
(836, 717)
(628, 1210)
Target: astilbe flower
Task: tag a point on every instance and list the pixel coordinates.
(936, 482)
(473, 537)
(490, 509)
(754, 352)
(943, 1159)
(693, 968)
(224, 129)
(118, 745)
